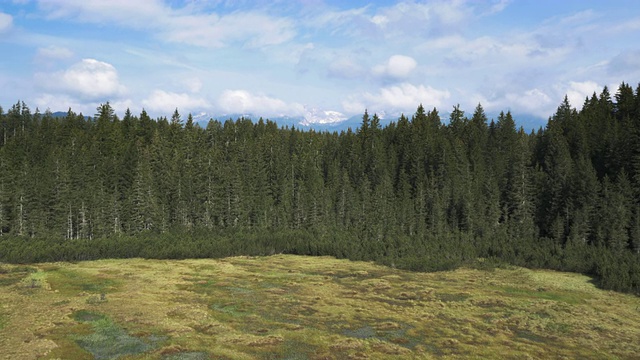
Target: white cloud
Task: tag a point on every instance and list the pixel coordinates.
(498, 6)
(542, 102)
(123, 104)
(380, 20)
(626, 63)
(419, 19)
(352, 22)
(164, 103)
(252, 29)
(405, 20)
(181, 25)
(54, 102)
(193, 84)
(62, 102)
(53, 52)
(88, 79)
(242, 101)
(527, 50)
(402, 98)
(532, 101)
(450, 12)
(345, 68)
(577, 92)
(6, 21)
(136, 13)
(626, 26)
(397, 67)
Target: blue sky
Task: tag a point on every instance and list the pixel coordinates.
(323, 61)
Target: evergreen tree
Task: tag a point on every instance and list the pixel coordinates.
(411, 193)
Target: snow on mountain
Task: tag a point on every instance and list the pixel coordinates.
(201, 117)
(315, 116)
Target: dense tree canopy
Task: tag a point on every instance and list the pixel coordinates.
(418, 193)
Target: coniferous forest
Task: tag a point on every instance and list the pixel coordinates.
(420, 193)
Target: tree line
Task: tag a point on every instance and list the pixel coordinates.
(418, 193)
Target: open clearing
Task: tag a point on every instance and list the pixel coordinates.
(294, 307)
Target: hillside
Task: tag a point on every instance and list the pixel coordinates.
(299, 307)
(421, 193)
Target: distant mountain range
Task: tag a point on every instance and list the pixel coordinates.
(318, 120)
(326, 120)
(331, 122)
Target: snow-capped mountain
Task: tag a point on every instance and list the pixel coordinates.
(314, 116)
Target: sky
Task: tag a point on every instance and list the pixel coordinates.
(321, 61)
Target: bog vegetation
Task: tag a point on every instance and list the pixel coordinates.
(419, 193)
(295, 307)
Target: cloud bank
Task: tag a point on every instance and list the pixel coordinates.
(245, 102)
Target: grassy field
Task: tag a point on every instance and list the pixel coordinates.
(291, 307)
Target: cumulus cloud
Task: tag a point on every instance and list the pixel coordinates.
(164, 102)
(397, 67)
(402, 98)
(233, 101)
(543, 101)
(182, 25)
(88, 79)
(6, 21)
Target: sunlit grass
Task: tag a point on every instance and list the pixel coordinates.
(306, 308)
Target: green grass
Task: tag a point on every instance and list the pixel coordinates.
(109, 341)
(8, 279)
(87, 316)
(292, 307)
(72, 282)
(187, 356)
(13, 275)
(567, 297)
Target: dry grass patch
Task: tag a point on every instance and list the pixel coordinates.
(307, 308)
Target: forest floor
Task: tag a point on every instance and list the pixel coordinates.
(295, 307)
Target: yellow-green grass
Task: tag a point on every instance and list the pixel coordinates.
(293, 307)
